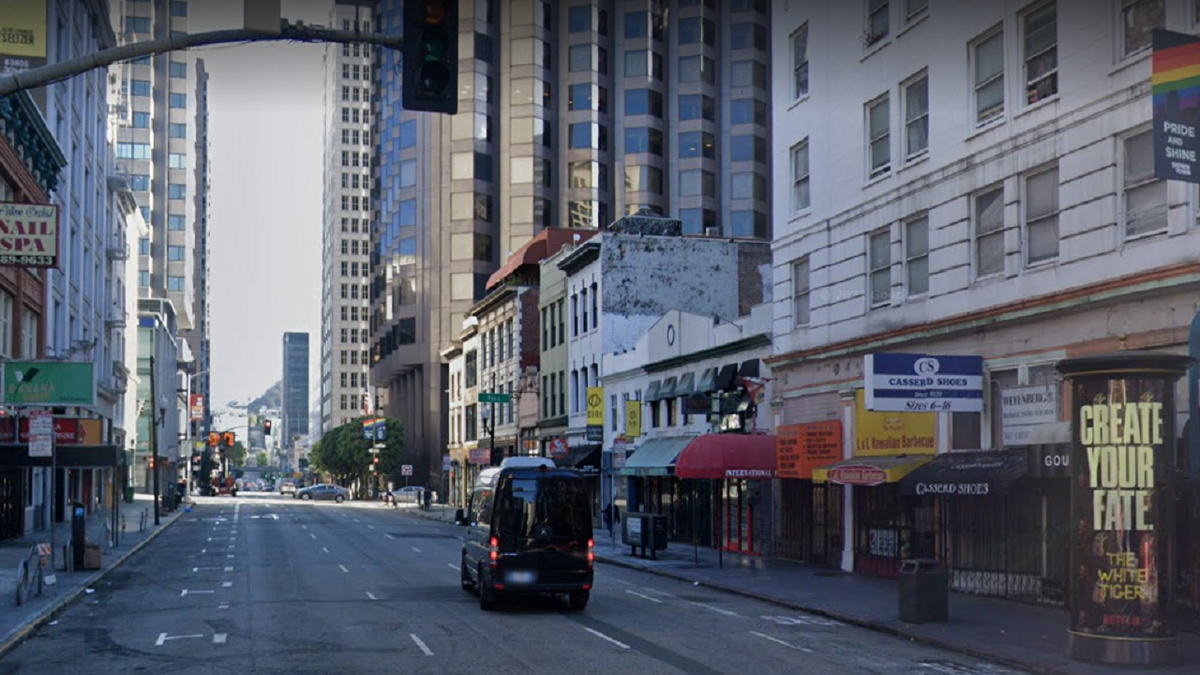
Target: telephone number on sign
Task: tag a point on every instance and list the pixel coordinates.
(26, 259)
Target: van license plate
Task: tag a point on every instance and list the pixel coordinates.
(520, 577)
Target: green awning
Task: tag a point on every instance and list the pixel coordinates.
(656, 457)
(668, 389)
(707, 383)
(651, 394)
(687, 384)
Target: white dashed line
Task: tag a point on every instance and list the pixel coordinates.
(227, 584)
(781, 642)
(228, 568)
(646, 597)
(389, 536)
(370, 527)
(312, 535)
(371, 596)
(598, 634)
(454, 567)
(219, 638)
(304, 527)
(344, 569)
(427, 650)
(325, 549)
(223, 605)
(416, 549)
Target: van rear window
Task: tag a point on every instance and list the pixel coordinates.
(544, 508)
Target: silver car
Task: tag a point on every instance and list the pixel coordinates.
(336, 493)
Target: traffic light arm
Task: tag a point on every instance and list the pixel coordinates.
(39, 77)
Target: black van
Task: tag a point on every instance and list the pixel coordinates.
(529, 530)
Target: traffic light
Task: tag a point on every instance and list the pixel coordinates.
(214, 439)
(228, 439)
(375, 465)
(266, 427)
(151, 461)
(430, 67)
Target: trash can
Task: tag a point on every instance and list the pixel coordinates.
(924, 591)
(129, 494)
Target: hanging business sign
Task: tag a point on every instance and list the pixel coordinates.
(48, 383)
(197, 406)
(595, 413)
(1175, 91)
(921, 383)
(1022, 408)
(28, 235)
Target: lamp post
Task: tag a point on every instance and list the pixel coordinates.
(157, 417)
(187, 404)
(489, 423)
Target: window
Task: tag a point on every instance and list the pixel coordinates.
(877, 21)
(800, 63)
(133, 151)
(696, 144)
(408, 134)
(408, 173)
(176, 223)
(1145, 195)
(139, 87)
(916, 117)
(580, 58)
(175, 284)
(1041, 53)
(916, 255)
(989, 77)
(748, 74)
(177, 130)
(695, 30)
(137, 24)
(748, 111)
(176, 191)
(748, 36)
(913, 9)
(143, 246)
(879, 252)
(178, 100)
(141, 120)
(879, 137)
(1139, 18)
(696, 107)
(746, 185)
(749, 224)
(748, 148)
(1041, 216)
(574, 391)
(579, 19)
(800, 190)
(697, 183)
(800, 287)
(140, 181)
(176, 160)
(178, 70)
(697, 221)
(143, 278)
(574, 315)
(643, 102)
(697, 69)
(179, 8)
(989, 232)
(643, 140)
(582, 135)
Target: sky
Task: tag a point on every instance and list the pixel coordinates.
(266, 136)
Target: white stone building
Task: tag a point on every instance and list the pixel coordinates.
(967, 179)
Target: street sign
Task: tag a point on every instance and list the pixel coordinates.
(51, 383)
(41, 433)
(406, 469)
(490, 397)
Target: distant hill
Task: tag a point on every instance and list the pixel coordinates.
(271, 398)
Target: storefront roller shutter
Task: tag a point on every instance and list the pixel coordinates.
(812, 408)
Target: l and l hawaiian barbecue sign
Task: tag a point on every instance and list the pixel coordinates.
(857, 474)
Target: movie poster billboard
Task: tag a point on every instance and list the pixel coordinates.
(1175, 90)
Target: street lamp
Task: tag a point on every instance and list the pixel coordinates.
(158, 420)
(488, 415)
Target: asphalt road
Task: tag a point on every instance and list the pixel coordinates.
(259, 584)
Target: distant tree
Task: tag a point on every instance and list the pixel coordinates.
(346, 455)
(237, 456)
(262, 458)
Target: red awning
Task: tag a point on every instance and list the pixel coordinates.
(543, 245)
(716, 456)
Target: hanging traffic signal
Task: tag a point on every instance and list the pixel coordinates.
(214, 439)
(266, 427)
(228, 439)
(430, 68)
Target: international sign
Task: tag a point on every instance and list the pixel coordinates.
(49, 383)
(1175, 90)
(28, 235)
(922, 383)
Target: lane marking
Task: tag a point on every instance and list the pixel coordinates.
(416, 549)
(228, 568)
(186, 591)
(454, 567)
(227, 584)
(389, 536)
(370, 527)
(424, 648)
(598, 634)
(223, 605)
(371, 596)
(219, 638)
(778, 641)
(344, 569)
(231, 556)
(312, 535)
(644, 596)
(163, 637)
(304, 527)
(325, 549)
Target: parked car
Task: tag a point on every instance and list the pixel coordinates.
(410, 493)
(288, 488)
(337, 493)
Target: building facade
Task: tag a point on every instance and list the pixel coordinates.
(199, 336)
(346, 238)
(159, 450)
(993, 196)
(294, 388)
(569, 115)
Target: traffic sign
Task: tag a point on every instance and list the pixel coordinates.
(406, 469)
(489, 397)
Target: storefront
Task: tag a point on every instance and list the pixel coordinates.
(809, 526)
(654, 488)
(740, 468)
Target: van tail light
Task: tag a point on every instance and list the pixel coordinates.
(493, 552)
(591, 552)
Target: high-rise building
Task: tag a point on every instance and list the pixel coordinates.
(346, 238)
(294, 388)
(569, 115)
(199, 335)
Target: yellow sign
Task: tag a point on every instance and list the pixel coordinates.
(892, 433)
(23, 28)
(633, 419)
(595, 406)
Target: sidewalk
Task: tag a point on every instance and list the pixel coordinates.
(1019, 635)
(18, 621)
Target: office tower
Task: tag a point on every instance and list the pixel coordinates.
(295, 388)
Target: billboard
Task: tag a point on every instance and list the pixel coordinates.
(23, 38)
(1175, 90)
(48, 383)
(28, 234)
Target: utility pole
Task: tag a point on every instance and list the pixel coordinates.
(154, 435)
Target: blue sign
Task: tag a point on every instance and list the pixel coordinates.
(922, 383)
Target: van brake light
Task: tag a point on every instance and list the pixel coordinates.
(591, 556)
(493, 552)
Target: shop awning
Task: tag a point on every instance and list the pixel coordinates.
(870, 470)
(668, 389)
(976, 474)
(580, 455)
(716, 456)
(656, 457)
(726, 376)
(687, 384)
(707, 383)
(748, 368)
(651, 394)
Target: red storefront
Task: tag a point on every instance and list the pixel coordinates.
(739, 469)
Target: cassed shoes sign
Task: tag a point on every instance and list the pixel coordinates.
(28, 235)
(922, 383)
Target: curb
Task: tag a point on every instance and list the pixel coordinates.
(21, 633)
(939, 643)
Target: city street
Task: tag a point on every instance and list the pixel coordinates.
(267, 584)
